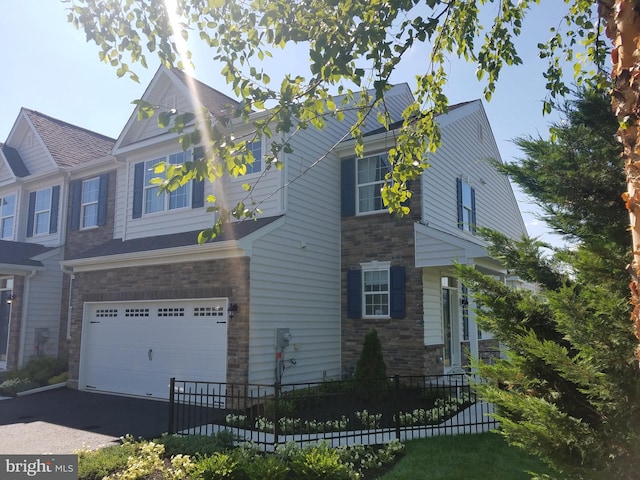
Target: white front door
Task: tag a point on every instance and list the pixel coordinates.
(450, 323)
(134, 348)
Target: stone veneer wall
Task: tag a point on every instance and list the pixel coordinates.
(78, 241)
(15, 322)
(210, 279)
(385, 237)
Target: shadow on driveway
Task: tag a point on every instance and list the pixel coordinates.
(65, 420)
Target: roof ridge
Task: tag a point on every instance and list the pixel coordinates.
(67, 124)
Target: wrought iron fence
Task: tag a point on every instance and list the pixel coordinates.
(340, 412)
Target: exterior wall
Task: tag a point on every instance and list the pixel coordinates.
(215, 278)
(384, 237)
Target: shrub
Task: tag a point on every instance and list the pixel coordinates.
(39, 370)
(219, 466)
(202, 445)
(318, 462)
(97, 464)
(371, 371)
(14, 386)
(267, 468)
(58, 378)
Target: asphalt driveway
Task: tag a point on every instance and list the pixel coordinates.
(65, 420)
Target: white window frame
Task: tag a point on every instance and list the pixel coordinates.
(45, 212)
(368, 191)
(5, 216)
(255, 147)
(89, 203)
(369, 299)
(467, 207)
(164, 203)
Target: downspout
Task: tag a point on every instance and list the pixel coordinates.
(23, 321)
(72, 277)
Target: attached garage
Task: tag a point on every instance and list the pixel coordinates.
(134, 348)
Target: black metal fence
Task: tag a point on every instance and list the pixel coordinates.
(340, 412)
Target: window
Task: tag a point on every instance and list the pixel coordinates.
(42, 213)
(178, 198)
(7, 215)
(255, 148)
(376, 292)
(145, 194)
(370, 178)
(89, 205)
(466, 206)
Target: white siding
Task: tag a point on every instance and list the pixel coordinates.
(432, 301)
(43, 306)
(32, 151)
(295, 271)
(467, 145)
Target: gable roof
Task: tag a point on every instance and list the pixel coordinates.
(216, 102)
(231, 231)
(21, 253)
(14, 160)
(69, 145)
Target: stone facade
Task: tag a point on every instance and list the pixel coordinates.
(385, 237)
(210, 279)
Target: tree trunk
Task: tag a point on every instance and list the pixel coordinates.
(623, 28)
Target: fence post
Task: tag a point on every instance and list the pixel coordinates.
(172, 384)
(396, 384)
(276, 413)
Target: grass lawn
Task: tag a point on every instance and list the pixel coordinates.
(464, 457)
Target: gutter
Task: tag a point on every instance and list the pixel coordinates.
(23, 320)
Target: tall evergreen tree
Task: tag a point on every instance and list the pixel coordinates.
(568, 389)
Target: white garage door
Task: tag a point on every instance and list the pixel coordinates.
(134, 348)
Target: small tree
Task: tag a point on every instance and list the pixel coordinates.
(371, 371)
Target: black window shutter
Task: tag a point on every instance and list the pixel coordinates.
(138, 189)
(32, 213)
(459, 196)
(348, 187)
(473, 210)
(354, 294)
(397, 292)
(55, 203)
(103, 192)
(197, 186)
(76, 198)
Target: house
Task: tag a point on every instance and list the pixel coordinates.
(38, 161)
(287, 297)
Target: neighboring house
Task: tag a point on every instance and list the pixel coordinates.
(288, 297)
(36, 164)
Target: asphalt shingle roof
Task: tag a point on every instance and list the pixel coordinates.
(21, 253)
(231, 231)
(68, 144)
(217, 102)
(15, 161)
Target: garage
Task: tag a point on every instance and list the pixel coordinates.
(134, 348)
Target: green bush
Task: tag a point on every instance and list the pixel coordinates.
(63, 377)
(266, 468)
(39, 370)
(319, 462)
(371, 371)
(219, 466)
(96, 464)
(14, 386)
(202, 445)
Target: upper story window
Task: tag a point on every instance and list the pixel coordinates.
(43, 211)
(255, 148)
(146, 197)
(178, 198)
(89, 202)
(370, 178)
(466, 206)
(7, 216)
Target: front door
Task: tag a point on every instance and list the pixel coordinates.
(450, 323)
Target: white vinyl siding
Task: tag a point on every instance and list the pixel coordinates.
(432, 306)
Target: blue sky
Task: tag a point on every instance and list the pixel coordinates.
(48, 67)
